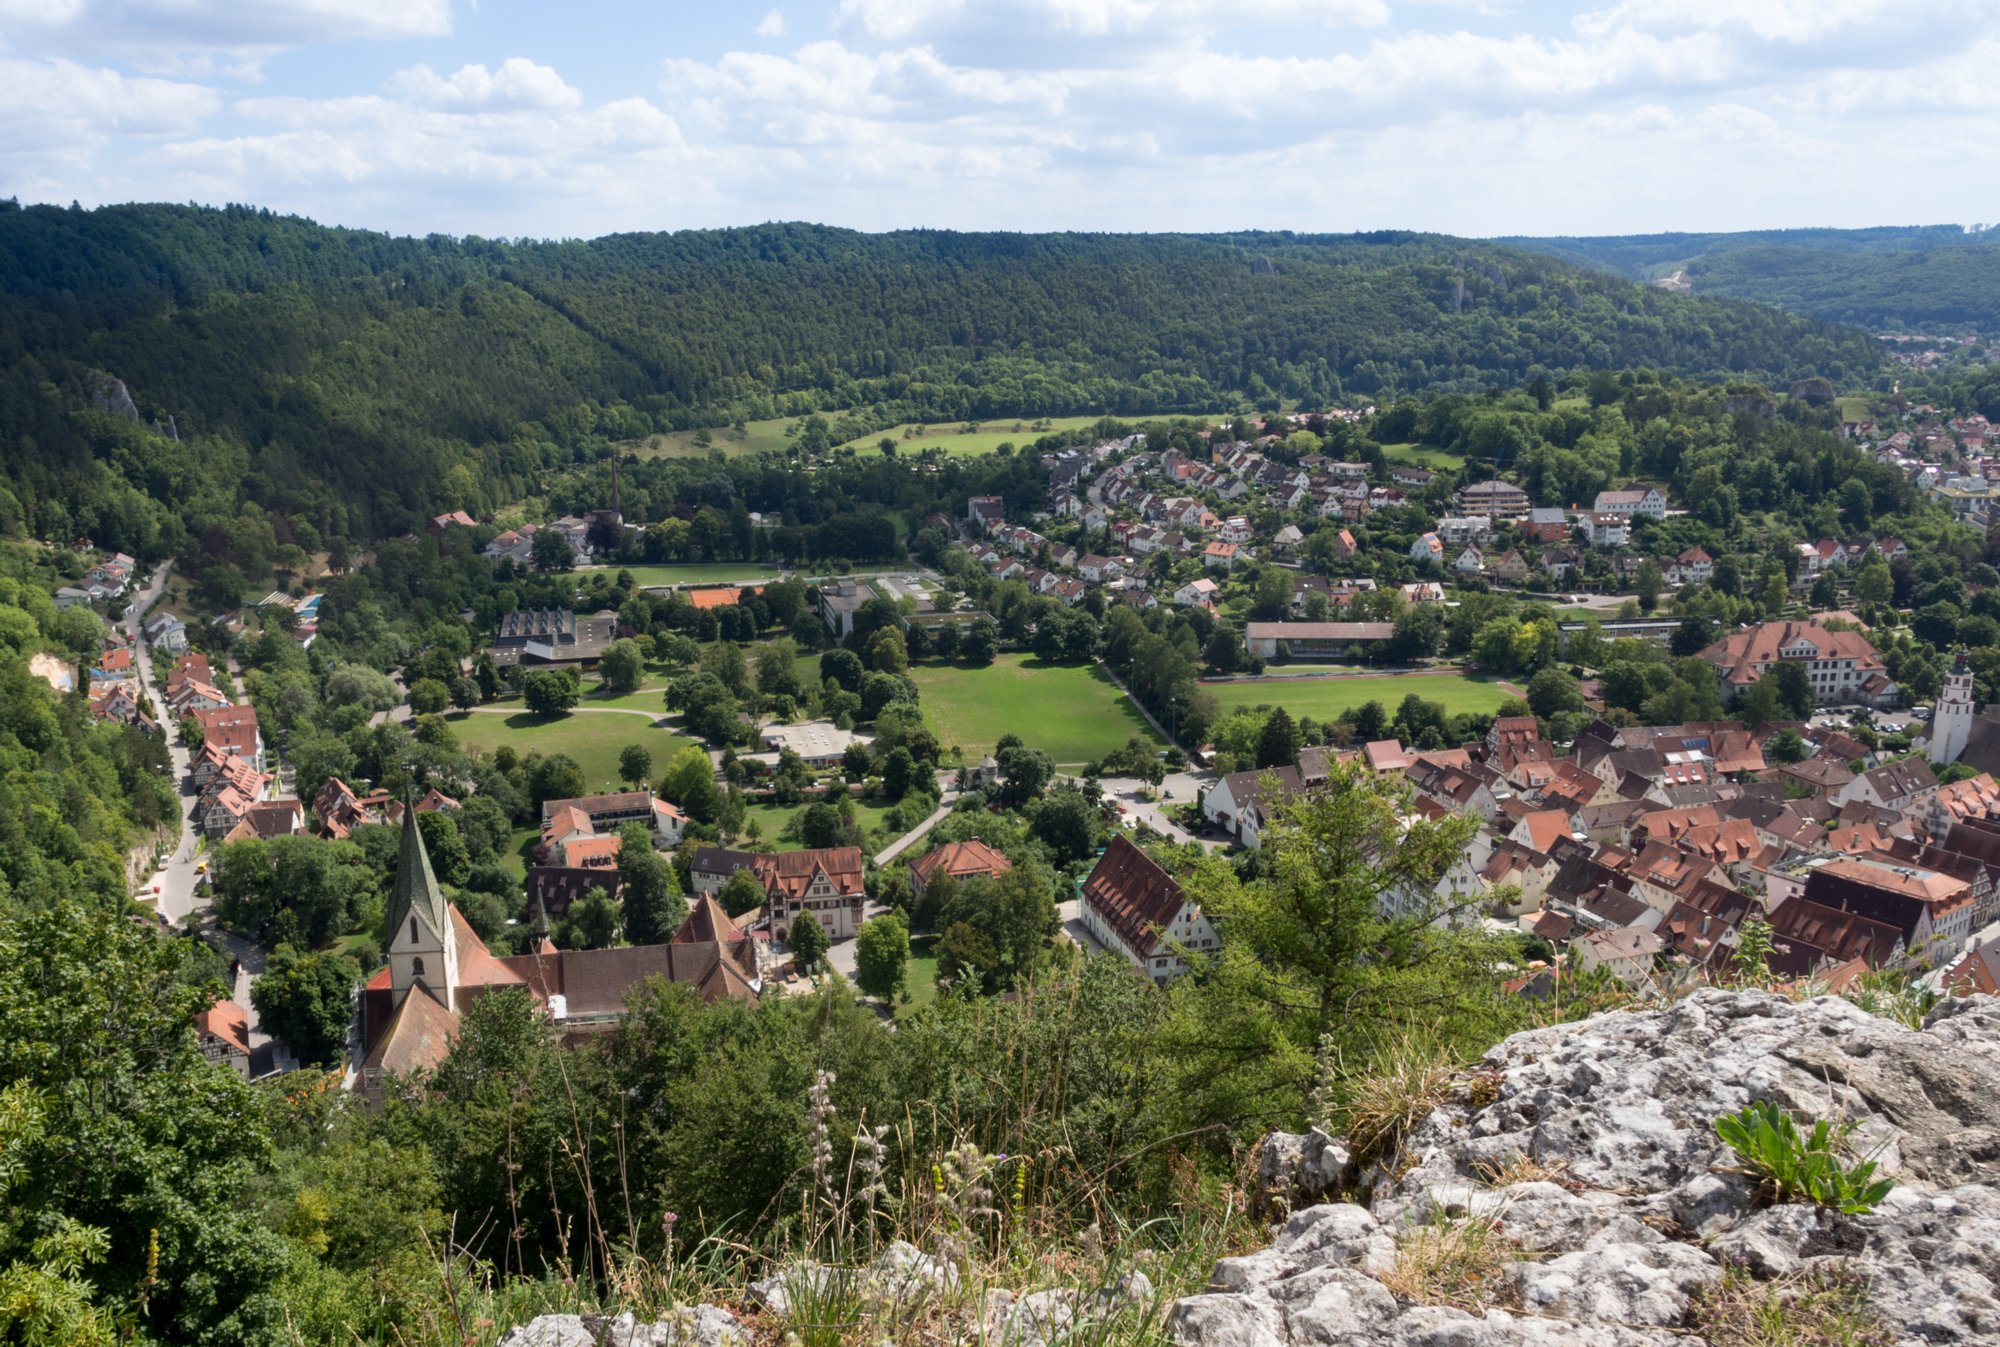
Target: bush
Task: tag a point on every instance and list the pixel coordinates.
(1792, 1167)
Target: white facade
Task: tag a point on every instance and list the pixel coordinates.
(1951, 724)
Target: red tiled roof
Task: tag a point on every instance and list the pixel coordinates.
(226, 1020)
(960, 860)
(1133, 895)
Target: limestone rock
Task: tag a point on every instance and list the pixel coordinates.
(692, 1326)
(1637, 1212)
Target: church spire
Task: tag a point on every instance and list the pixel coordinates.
(416, 890)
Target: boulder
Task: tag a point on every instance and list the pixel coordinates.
(693, 1326)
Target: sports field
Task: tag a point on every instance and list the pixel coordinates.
(593, 739)
(693, 573)
(1069, 711)
(1326, 698)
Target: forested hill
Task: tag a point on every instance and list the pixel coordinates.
(359, 381)
(1907, 278)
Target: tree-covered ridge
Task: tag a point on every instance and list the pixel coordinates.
(1929, 275)
(354, 380)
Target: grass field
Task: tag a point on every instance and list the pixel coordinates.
(757, 437)
(1853, 409)
(1069, 711)
(1421, 456)
(1326, 698)
(957, 442)
(772, 818)
(919, 974)
(693, 573)
(593, 740)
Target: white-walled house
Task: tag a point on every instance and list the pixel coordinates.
(1134, 908)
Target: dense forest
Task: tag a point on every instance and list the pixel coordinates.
(1925, 276)
(161, 365)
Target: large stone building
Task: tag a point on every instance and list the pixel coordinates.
(1841, 665)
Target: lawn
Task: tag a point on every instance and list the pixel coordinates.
(1325, 698)
(694, 573)
(1420, 456)
(772, 818)
(919, 975)
(1072, 712)
(958, 442)
(593, 740)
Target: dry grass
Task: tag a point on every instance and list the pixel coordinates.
(1522, 1168)
(1458, 1262)
(1410, 1079)
(1816, 1308)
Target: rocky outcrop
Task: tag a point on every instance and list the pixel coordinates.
(1589, 1153)
(696, 1326)
(108, 393)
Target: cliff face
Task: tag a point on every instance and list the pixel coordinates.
(1574, 1192)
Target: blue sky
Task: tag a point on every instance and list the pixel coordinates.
(1474, 117)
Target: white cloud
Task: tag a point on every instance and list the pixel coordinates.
(208, 35)
(1619, 115)
(518, 83)
(59, 113)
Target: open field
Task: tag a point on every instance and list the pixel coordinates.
(1420, 456)
(693, 573)
(757, 437)
(957, 442)
(1326, 698)
(1069, 711)
(593, 740)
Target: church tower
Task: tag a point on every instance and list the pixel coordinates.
(1951, 724)
(423, 947)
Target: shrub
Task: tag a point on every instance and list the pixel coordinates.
(1791, 1166)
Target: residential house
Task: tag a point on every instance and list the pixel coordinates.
(1133, 907)
(1643, 502)
(1902, 787)
(1470, 562)
(960, 860)
(1625, 952)
(1428, 550)
(224, 1034)
(1512, 567)
(1604, 530)
(1691, 567)
(1545, 524)
(1197, 593)
(1241, 803)
(826, 882)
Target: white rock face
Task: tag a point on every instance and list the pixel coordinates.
(1621, 1108)
(696, 1326)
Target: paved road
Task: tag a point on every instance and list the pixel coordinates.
(177, 898)
(914, 835)
(1181, 786)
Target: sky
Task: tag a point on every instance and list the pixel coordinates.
(571, 118)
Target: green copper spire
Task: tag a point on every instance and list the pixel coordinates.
(416, 887)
